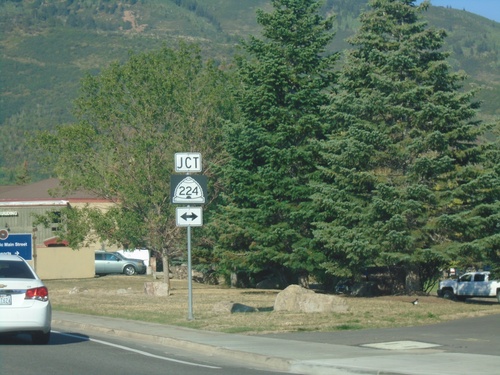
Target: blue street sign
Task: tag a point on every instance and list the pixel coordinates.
(18, 244)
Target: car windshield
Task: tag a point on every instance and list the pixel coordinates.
(466, 278)
(15, 270)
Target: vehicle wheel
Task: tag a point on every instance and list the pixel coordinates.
(129, 270)
(448, 294)
(40, 338)
(498, 296)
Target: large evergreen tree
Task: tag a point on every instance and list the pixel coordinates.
(403, 165)
(264, 225)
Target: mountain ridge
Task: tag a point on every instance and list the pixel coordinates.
(48, 46)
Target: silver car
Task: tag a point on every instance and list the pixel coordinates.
(114, 262)
(24, 300)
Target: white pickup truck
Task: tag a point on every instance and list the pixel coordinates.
(469, 285)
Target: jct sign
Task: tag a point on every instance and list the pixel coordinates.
(187, 162)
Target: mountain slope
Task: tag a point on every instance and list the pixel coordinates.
(47, 46)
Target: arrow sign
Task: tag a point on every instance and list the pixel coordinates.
(189, 216)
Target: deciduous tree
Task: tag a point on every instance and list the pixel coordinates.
(133, 117)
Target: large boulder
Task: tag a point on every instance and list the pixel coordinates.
(157, 289)
(297, 299)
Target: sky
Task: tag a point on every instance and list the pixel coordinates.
(486, 8)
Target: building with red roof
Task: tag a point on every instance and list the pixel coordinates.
(50, 256)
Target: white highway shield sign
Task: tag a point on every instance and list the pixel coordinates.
(188, 189)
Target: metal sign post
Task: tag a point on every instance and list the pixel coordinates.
(190, 278)
(189, 189)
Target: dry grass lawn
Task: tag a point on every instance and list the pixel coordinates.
(123, 297)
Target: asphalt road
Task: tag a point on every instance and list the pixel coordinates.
(76, 354)
(117, 346)
(479, 335)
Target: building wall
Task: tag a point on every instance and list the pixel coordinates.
(63, 263)
(19, 219)
(53, 262)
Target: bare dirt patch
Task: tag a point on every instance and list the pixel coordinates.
(124, 297)
(128, 16)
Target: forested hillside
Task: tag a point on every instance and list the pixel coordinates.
(47, 46)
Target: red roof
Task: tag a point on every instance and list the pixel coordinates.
(54, 241)
(40, 191)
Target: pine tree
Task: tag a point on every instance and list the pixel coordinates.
(404, 147)
(264, 226)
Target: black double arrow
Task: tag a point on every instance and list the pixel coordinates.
(191, 216)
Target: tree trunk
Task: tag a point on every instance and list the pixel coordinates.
(166, 270)
(152, 264)
(412, 282)
(303, 280)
